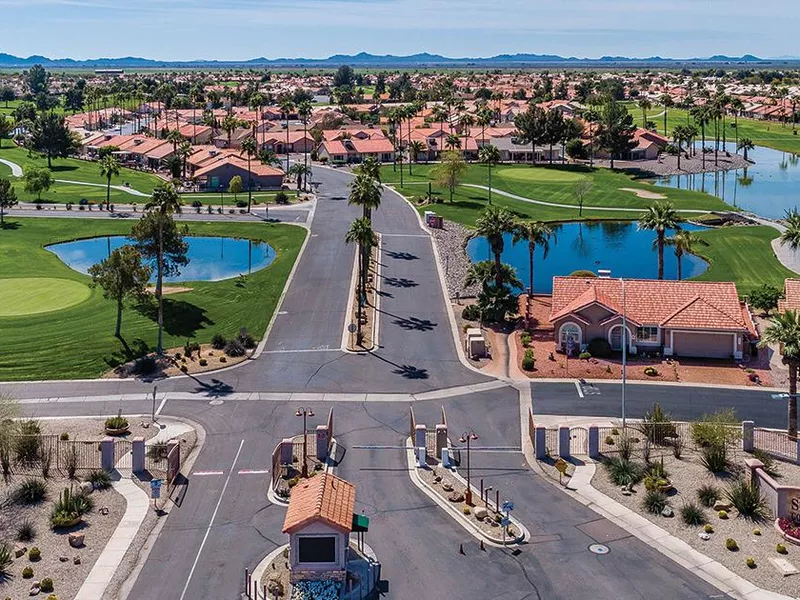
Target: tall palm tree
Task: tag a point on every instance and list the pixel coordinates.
(483, 273)
(287, 106)
(483, 118)
(250, 149)
(645, 105)
(415, 148)
(466, 121)
(304, 112)
(701, 117)
(683, 242)
(230, 124)
(785, 331)
(361, 233)
(493, 223)
(666, 101)
(109, 167)
(490, 156)
(536, 234)
(175, 138)
(452, 142)
(371, 168)
(365, 192)
(737, 106)
(745, 144)
(185, 150)
(440, 115)
(659, 217)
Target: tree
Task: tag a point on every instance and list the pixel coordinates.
(666, 101)
(301, 172)
(682, 134)
(659, 217)
(493, 224)
(490, 156)
(52, 137)
(449, 171)
(701, 116)
(616, 130)
(7, 94)
(765, 298)
(37, 180)
(531, 127)
(8, 198)
(535, 233)
(235, 186)
(5, 128)
(37, 80)
(361, 233)
(304, 110)
(287, 106)
(159, 239)
(494, 302)
(415, 148)
(344, 76)
(483, 273)
(644, 105)
(785, 332)
(745, 144)
(684, 242)
(250, 149)
(581, 191)
(109, 167)
(370, 168)
(365, 192)
(122, 276)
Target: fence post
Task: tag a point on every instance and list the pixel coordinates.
(137, 462)
(441, 438)
(594, 442)
(107, 454)
(797, 460)
(173, 459)
(747, 436)
(322, 442)
(563, 441)
(540, 444)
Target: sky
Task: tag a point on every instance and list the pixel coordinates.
(243, 29)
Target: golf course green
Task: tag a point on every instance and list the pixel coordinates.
(33, 295)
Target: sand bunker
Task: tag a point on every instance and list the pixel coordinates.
(646, 194)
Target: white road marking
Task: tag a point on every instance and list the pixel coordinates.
(201, 473)
(161, 406)
(252, 471)
(579, 388)
(302, 351)
(211, 522)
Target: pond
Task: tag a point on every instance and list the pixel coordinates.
(210, 258)
(767, 188)
(616, 245)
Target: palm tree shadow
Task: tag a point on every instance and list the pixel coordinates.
(400, 282)
(405, 371)
(11, 225)
(215, 389)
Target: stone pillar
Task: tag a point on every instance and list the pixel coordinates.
(594, 442)
(107, 454)
(540, 443)
(441, 438)
(173, 459)
(322, 442)
(753, 465)
(420, 436)
(137, 464)
(286, 451)
(563, 441)
(747, 436)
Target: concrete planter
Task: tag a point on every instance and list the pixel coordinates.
(117, 432)
(786, 536)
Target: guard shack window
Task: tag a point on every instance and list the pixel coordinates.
(315, 549)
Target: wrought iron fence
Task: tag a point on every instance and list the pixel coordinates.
(551, 441)
(776, 443)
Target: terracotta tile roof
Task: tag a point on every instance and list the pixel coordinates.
(256, 168)
(324, 497)
(791, 296)
(673, 304)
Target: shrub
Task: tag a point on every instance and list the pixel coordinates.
(281, 198)
(677, 447)
(6, 558)
(68, 508)
(118, 422)
(28, 443)
(708, 528)
(609, 440)
(622, 471)
(770, 464)
(218, 342)
(178, 356)
(222, 359)
(70, 460)
(247, 341)
(756, 531)
(34, 554)
(718, 429)
(145, 366)
(657, 425)
(53, 596)
(234, 348)
(708, 494)
(656, 469)
(654, 502)
(714, 458)
(157, 451)
(723, 514)
(746, 498)
(27, 572)
(528, 360)
(731, 545)
(64, 436)
(780, 549)
(525, 339)
(651, 371)
(466, 510)
(26, 531)
(31, 491)
(46, 585)
(692, 514)
(184, 369)
(751, 562)
(626, 446)
(101, 479)
(654, 483)
(203, 362)
(599, 347)
(585, 355)
(471, 313)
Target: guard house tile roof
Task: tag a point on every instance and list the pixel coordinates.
(325, 498)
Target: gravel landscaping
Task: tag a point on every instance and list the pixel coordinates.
(687, 474)
(94, 429)
(455, 262)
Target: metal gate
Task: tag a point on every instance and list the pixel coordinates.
(551, 441)
(578, 441)
(123, 454)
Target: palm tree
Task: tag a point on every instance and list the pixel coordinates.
(737, 106)
(659, 217)
(185, 150)
(645, 105)
(452, 142)
(493, 223)
(745, 144)
(361, 233)
(466, 121)
(785, 331)
(365, 192)
(250, 149)
(230, 124)
(301, 172)
(489, 155)
(701, 116)
(536, 234)
(483, 272)
(415, 148)
(666, 101)
(440, 115)
(304, 112)
(175, 138)
(109, 167)
(684, 241)
(371, 168)
(483, 118)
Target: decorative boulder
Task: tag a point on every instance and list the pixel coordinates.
(722, 505)
(447, 487)
(76, 560)
(667, 512)
(480, 513)
(456, 497)
(19, 550)
(34, 591)
(76, 539)
(85, 488)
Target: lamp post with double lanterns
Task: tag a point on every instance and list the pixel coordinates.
(305, 413)
(467, 437)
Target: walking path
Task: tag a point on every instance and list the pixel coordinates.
(16, 170)
(788, 257)
(120, 188)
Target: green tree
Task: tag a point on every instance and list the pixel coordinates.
(745, 144)
(365, 192)
(701, 117)
(490, 156)
(7, 94)
(371, 168)
(37, 80)
(765, 298)
(415, 148)
(531, 127)
(484, 272)
(5, 128)
(645, 105)
(449, 171)
(8, 198)
(109, 167)
(250, 149)
(301, 172)
(659, 217)
(682, 134)
(230, 124)
(785, 332)
(493, 224)
(122, 276)
(304, 110)
(175, 138)
(37, 180)
(361, 233)
(235, 186)
(51, 137)
(616, 130)
(535, 233)
(684, 242)
(287, 106)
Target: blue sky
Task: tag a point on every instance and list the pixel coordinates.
(241, 29)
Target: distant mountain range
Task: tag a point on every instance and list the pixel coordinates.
(372, 60)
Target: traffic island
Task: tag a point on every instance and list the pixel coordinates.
(361, 332)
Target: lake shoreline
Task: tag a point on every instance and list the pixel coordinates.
(667, 165)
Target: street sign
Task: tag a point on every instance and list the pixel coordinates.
(352, 328)
(505, 522)
(155, 489)
(561, 466)
(508, 506)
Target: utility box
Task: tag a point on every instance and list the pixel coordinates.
(475, 344)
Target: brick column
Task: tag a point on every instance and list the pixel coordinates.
(594, 442)
(286, 451)
(107, 453)
(747, 436)
(137, 464)
(563, 441)
(540, 443)
(441, 438)
(322, 442)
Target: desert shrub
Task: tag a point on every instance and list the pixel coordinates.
(218, 342)
(466, 510)
(723, 514)
(746, 498)
(100, 479)
(281, 198)
(234, 348)
(655, 501)
(26, 531)
(28, 442)
(46, 585)
(657, 426)
(609, 440)
(692, 514)
(653, 483)
(117, 422)
(157, 451)
(471, 313)
(714, 458)
(756, 531)
(708, 528)
(623, 471)
(27, 572)
(64, 436)
(203, 362)
(780, 549)
(651, 371)
(656, 469)
(184, 369)
(528, 360)
(751, 562)
(731, 544)
(190, 348)
(34, 554)
(70, 459)
(599, 347)
(525, 339)
(677, 446)
(585, 355)
(68, 508)
(247, 341)
(6, 558)
(626, 444)
(145, 366)
(708, 494)
(718, 429)
(222, 359)
(30, 491)
(178, 356)
(770, 464)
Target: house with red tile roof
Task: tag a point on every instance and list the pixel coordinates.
(356, 150)
(791, 296)
(216, 175)
(676, 318)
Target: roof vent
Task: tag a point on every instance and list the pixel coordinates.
(604, 273)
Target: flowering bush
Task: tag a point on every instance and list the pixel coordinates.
(789, 527)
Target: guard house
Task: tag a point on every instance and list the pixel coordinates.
(319, 521)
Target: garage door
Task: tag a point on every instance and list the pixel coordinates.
(703, 345)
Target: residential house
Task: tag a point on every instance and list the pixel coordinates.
(217, 175)
(355, 150)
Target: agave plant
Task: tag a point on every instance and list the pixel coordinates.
(69, 508)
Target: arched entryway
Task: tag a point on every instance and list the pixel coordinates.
(570, 336)
(615, 338)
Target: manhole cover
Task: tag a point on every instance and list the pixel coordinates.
(599, 549)
(216, 402)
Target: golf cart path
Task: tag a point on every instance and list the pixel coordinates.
(16, 170)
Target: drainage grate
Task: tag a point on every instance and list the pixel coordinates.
(599, 549)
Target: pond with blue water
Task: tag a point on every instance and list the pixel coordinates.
(210, 258)
(619, 246)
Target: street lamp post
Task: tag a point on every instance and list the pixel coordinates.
(305, 413)
(467, 437)
(624, 351)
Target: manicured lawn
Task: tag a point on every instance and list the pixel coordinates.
(548, 184)
(743, 255)
(78, 341)
(23, 296)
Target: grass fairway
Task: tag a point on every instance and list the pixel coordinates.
(29, 296)
(78, 341)
(743, 255)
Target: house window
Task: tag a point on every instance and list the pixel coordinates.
(647, 334)
(316, 549)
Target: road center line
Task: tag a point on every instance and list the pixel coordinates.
(579, 388)
(211, 522)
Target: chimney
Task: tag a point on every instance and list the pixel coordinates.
(604, 273)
